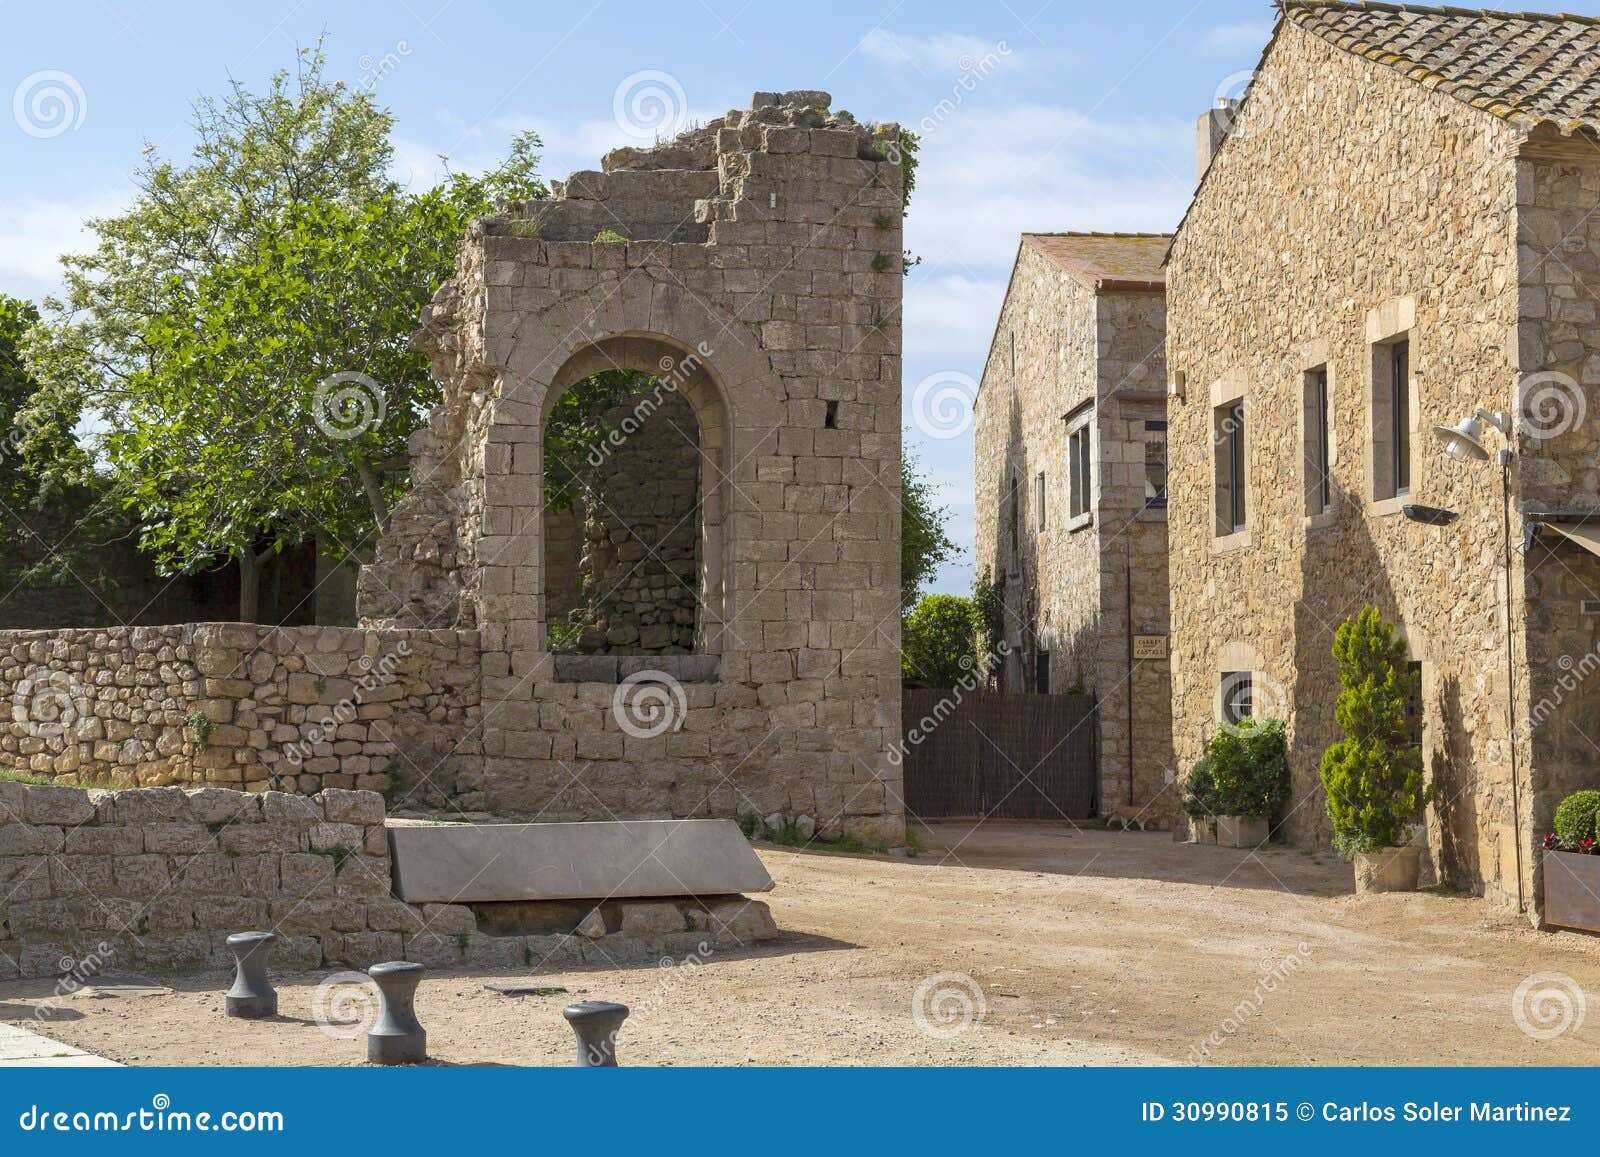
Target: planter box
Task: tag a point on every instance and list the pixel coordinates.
(1572, 891)
(1388, 870)
(1240, 832)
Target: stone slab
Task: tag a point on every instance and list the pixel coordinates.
(464, 863)
(24, 1048)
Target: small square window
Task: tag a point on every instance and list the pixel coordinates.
(1235, 698)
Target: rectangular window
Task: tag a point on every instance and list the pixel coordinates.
(1235, 696)
(1079, 463)
(1041, 672)
(1400, 414)
(1155, 464)
(1319, 490)
(1414, 706)
(1229, 440)
(1012, 335)
(1038, 497)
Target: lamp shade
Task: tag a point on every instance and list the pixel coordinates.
(1463, 441)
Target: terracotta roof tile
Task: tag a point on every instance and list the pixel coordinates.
(1526, 67)
(1107, 261)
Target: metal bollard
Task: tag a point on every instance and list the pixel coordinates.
(596, 1023)
(252, 995)
(398, 1038)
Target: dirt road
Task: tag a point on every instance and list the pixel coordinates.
(1087, 948)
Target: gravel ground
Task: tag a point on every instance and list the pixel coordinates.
(1087, 947)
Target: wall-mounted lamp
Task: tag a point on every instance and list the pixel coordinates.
(1464, 440)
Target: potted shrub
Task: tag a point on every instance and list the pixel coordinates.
(1373, 776)
(1239, 783)
(1572, 864)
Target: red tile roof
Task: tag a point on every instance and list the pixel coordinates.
(1108, 261)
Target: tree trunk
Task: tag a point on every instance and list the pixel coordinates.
(250, 584)
(373, 485)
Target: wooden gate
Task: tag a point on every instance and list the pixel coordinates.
(998, 755)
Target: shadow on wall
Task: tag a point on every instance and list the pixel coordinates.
(1344, 549)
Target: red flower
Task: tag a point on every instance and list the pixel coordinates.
(1552, 842)
(1586, 845)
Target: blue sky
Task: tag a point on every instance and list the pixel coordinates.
(1065, 116)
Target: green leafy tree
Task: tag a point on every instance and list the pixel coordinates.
(40, 511)
(1373, 776)
(924, 545)
(937, 641)
(240, 336)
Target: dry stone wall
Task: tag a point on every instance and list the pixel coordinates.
(155, 879)
(254, 707)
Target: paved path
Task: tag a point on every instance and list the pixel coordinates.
(23, 1048)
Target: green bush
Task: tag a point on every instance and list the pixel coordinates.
(936, 642)
(1575, 818)
(1373, 776)
(1244, 772)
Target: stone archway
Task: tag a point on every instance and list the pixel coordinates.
(681, 380)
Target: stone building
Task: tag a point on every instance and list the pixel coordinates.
(1070, 491)
(753, 268)
(1397, 228)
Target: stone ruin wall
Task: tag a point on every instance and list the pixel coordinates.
(765, 248)
(156, 879)
(241, 705)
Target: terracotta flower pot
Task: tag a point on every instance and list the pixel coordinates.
(1388, 870)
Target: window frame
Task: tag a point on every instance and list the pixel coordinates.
(1230, 443)
(1153, 426)
(1080, 468)
(1228, 685)
(1317, 442)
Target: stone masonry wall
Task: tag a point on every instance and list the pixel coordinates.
(155, 879)
(255, 707)
(1558, 444)
(1349, 206)
(764, 272)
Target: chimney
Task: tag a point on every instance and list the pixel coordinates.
(1210, 132)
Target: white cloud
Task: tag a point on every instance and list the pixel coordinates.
(952, 314)
(944, 52)
(1235, 38)
(988, 174)
(34, 235)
